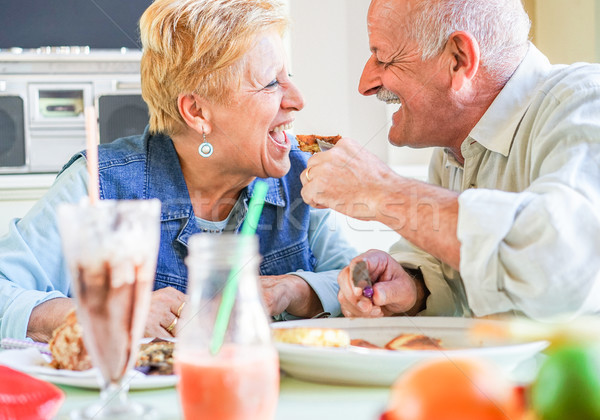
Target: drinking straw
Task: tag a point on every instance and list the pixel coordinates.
(248, 229)
(92, 154)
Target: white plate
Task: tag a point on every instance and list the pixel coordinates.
(88, 379)
(362, 366)
(34, 363)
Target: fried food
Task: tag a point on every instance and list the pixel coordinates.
(413, 342)
(320, 337)
(66, 345)
(331, 337)
(359, 342)
(156, 357)
(69, 352)
(308, 143)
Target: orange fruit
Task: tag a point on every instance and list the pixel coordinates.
(460, 389)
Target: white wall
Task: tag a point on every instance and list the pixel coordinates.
(566, 31)
(329, 47)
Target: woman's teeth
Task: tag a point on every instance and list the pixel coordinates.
(282, 127)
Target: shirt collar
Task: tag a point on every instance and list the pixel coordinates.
(274, 194)
(495, 130)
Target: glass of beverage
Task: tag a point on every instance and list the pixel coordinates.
(240, 379)
(111, 248)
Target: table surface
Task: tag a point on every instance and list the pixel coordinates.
(298, 400)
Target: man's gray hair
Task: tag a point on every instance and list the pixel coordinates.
(501, 27)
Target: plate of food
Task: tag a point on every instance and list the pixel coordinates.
(147, 375)
(65, 360)
(375, 351)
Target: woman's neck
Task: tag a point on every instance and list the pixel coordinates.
(213, 184)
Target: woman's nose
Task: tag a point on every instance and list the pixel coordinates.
(292, 98)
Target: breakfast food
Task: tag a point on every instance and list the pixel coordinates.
(321, 337)
(359, 342)
(156, 357)
(308, 143)
(331, 337)
(66, 345)
(69, 352)
(402, 342)
(413, 342)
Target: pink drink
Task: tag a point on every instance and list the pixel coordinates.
(240, 383)
(113, 313)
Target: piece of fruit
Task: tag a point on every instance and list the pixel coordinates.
(457, 389)
(24, 397)
(568, 384)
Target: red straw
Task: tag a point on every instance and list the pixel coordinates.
(92, 154)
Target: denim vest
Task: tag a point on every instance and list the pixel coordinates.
(147, 166)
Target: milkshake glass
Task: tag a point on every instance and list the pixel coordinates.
(111, 249)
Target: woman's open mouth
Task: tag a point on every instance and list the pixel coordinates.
(278, 135)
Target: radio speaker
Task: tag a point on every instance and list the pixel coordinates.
(12, 132)
(121, 116)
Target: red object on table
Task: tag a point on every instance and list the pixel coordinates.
(24, 397)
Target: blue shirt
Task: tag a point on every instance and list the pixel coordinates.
(292, 239)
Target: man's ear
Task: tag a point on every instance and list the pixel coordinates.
(463, 49)
(194, 111)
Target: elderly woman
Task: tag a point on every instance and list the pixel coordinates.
(215, 78)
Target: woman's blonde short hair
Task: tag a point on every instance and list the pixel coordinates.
(197, 46)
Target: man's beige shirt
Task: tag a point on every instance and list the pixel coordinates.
(529, 208)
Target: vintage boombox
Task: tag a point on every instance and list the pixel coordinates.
(43, 94)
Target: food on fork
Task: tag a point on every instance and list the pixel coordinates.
(308, 142)
(320, 337)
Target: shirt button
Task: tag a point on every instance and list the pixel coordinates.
(472, 186)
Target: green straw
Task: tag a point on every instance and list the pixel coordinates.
(248, 229)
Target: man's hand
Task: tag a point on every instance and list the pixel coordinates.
(164, 310)
(347, 179)
(394, 290)
(289, 293)
(354, 182)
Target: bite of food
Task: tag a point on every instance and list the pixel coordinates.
(308, 143)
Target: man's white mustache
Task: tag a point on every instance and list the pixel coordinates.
(387, 96)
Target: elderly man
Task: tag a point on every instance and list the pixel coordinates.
(510, 219)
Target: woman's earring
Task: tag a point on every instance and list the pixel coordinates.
(205, 149)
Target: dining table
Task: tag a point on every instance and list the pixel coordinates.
(298, 400)
(328, 383)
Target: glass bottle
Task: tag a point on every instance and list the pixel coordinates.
(240, 378)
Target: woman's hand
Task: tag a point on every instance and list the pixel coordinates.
(165, 309)
(48, 316)
(289, 293)
(394, 290)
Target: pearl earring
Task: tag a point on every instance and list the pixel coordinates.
(205, 149)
